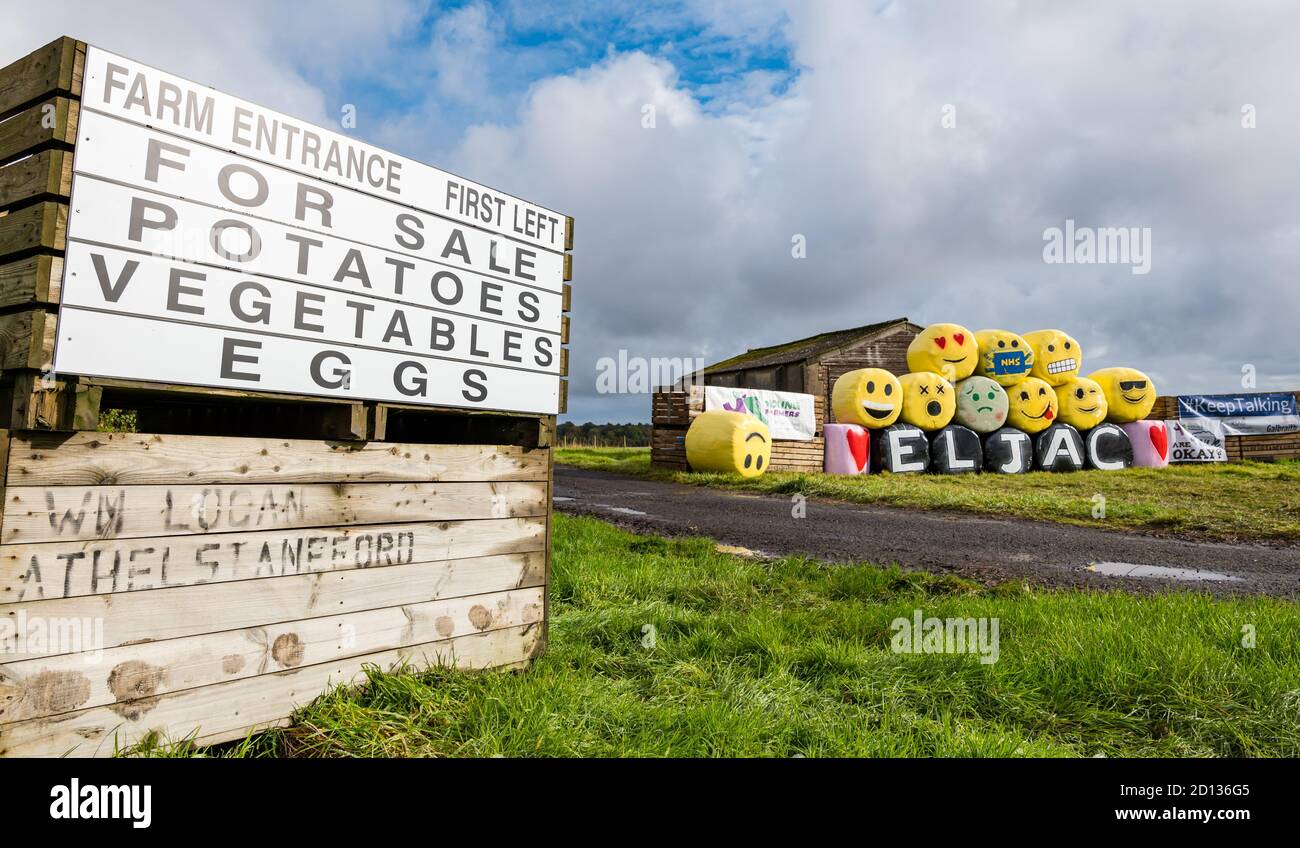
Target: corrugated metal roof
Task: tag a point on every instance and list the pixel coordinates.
(803, 349)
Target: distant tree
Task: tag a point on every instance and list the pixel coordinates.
(611, 435)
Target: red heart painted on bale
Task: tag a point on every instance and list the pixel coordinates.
(942, 342)
(859, 446)
(959, 338)
(1159, 440)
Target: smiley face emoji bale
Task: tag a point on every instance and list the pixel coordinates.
(1130, 394)
(871, 397)
(1033, 406)
(929, 400)
(981, 404)
(1004, 356)
(1057, 357)
(947, 349)
(1081, 403)
(728, 442)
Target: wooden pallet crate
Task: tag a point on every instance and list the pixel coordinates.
(243, 551)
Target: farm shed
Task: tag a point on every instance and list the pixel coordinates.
(812, 365)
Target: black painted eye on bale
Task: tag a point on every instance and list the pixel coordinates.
(759, 466)
(1067, 345)
(1024, 395)
(1014, 343)
(871, 387)
(749, 460)
(1078, 393)
(1001, 343)
(1042, 392)
(889, 390)
(1051, 348)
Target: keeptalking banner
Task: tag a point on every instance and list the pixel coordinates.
(1254, 414)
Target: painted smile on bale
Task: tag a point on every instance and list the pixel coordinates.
(878, 411)
(1129, 385)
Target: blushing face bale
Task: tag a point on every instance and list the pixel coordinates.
(1130, 394)
(871, 397)
(982, 404)
(929, 400)
(945, 349)
(1032, 406)
(728, 442)
(1081, 403)
(1057, 357)
(1004, 356)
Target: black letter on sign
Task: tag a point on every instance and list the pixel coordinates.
(254, 240)
(342, 376)
(112, 291)
(418, 384)
(229, 357)
(474, 379)
(1109, 448)
(1008, 451)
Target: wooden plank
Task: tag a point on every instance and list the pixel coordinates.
(567, 298)
(130, 678)
(27, 339)
(98, 459)
(227, 710)
(564, 330)
(40, 73)
(40, 226)
(564, 362)
(67, 513)
(74, 569)
(99, 622)
(52, 123)
(30, 281)
(564, 396)
(47, 174)
(568, 233)
(568, 266)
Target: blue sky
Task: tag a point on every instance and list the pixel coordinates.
(826, 121)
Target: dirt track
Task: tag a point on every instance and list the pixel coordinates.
(988, 550)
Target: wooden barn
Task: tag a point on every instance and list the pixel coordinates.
(812, 365)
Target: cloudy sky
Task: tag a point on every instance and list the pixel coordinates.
(918, 149)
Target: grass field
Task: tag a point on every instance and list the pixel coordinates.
(754, 658)
(1248, 501)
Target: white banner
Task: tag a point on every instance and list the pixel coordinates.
(1197, 440)
(125, 89)
(786, 414)
(215, 243)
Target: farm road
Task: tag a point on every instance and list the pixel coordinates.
(988, 550)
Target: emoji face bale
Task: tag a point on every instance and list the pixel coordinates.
(1130, 394)
(1032, 405)
(1004, 356)
(947, 349)
(929, 400)
(729, 442)
(1057, 357)
(871, 397)
(1081, 403)
(848, 449)
(981, 404)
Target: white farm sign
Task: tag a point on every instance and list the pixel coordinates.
(213, 242)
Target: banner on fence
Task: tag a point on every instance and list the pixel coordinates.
(1197, 440)
(787, 415)
(1254, 414)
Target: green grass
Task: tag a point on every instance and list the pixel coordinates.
(790, 657)
(1247, 501)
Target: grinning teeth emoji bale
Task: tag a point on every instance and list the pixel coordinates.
(1008, 451)
(946, 349)
(1081, 403)
(1108, 448)
(871, 397)
(981, 404)
(1130, 394)
(1032, 406)
(848, 449)
(1150, 441)
(1057, 357)
(1004, 356)
(728, 442)
(929, 400)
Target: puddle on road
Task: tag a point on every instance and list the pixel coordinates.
(1134, 569)
(558, 498)
(622, 510)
